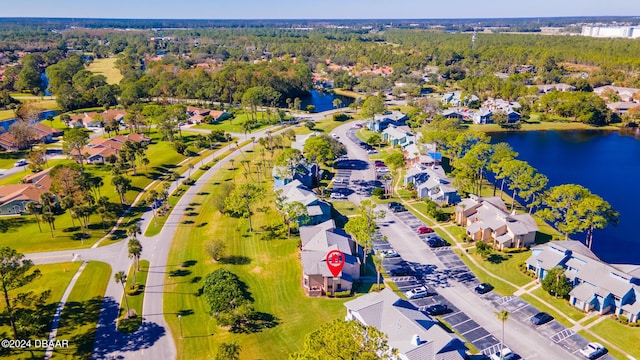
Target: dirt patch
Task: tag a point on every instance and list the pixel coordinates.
(256, 270)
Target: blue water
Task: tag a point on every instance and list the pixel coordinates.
(4, 124)
(44, 83)
(606, 163)
(323, 101)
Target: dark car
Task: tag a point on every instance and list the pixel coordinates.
(400, 271)
(379, 163)
(436, 242)
(392, 204)
(483, 288)
(399, 208)
(541, 318)
(437, 309)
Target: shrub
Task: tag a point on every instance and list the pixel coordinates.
(342, 294)
(379, 192)
(341, 117)
(188, 182)
(483, 249)
(514, 250)
(205, 167)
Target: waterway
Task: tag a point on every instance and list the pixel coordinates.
(607, 163)
(323, 101)
(4, 124)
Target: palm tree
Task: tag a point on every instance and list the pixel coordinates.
(135, 250)
(34, 208)
(121, 277)
(134, 230)
(503, 316)
(377, 262)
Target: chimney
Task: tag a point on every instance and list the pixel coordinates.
(415, 340)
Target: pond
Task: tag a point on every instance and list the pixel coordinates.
(4, 124)
(323, 101)
(607, 163)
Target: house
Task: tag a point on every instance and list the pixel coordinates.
(318, 210)
(307, 174)
(397, 136)
(513, 116)
(97, 119)
(488, 220)
(622, 107)
(432, 183)
(597, 286)
(383, 121)
(509, 107)
(453, 114)
(625, 94)
(317, 241)
(415, 335)
(455, 99)
(41, 133)
(100, 149)
(546, 88)
(483, 116)
(14, 197)
(197, 115)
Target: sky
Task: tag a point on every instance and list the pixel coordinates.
(319, 9)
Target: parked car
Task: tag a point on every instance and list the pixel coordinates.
(424, 230)
(483, 288)
(507, 354)
(335, 136)
(593, 350)
(388, 253)
(541, 318)
(393, 203)
(436, 309)
(338, 196)
(21, 162)
(400, 271)
(417, 293)
(436, 242)
(399, 208)
(379, 163)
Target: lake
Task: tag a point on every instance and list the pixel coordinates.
(607, 163)
(323, 101)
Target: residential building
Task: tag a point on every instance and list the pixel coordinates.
(625, 93)
(383, 121)
(431, 182)
(546, 88)
(453, 113)
(455, 99)
(317, 242)
(307, 174)
(14, 197)
(421, 154)
(97, 119)
(598, 286)
(483, 116)
(99, 149)
(41, 133)
(415, 335)
(197, 115)
(397, 136)
(495, 105)
(622, 107)
(318, 210)
(488, 220)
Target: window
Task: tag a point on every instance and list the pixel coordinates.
(339, 287)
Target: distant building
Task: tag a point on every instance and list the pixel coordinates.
(456, 99)
(483, 116)
(197, 115)
(415, 335)
(432, 183)
(546, 88)
(632, 32)
(625, 93)
(14, 197)
(318, 210)
(382, 121)
(307, 174)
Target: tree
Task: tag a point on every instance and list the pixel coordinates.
(106, 211)
(216, 249)
(37, 160)
(350, 339)
(229, 351)
(291, 211)
(502, 152)
(34, 208)
(14, 273)
(242, 198)
(372, 105)
(135, 250)
(503, 316)
(556, 282)
(122, 185)
(337, 103)
(374, 139)
(121, 277)
(23, 134)
(226, 296)
(363, 227)
(596, 213)
(377, 262)
(75, 140)
(561, 207)
(318, 149)
(48, 201)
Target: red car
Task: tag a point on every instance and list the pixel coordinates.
(425, 230)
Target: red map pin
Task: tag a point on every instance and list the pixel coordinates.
(335, 262)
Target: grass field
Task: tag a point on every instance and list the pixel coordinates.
(542, 126)
(80, 314)
(265, 260)
(500, 287)
(55, 277)
(106, 67)
(42, 103)
(135, 299)
(620, 335)
(235, 125)
(505, 265)
(561, 304)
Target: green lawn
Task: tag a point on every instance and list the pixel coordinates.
(42, 103)
(235, 124)
(80, 314)
(55, 277)
(505, 265)
(268, 263)
(500, 287)
(345, 207)
(542, 126)
(106, 67)
(620, 335)
(457, 231)
(542, 307)
(135, 298)
(560, 303)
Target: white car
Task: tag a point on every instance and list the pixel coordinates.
(505, 354)
(21, 162)
(338, 196)
(388, 254)
(417, 293)
(335, 136)
(593, 350)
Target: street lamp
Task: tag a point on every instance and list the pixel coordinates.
(180, 321)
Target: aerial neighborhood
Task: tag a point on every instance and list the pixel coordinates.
(319, 189)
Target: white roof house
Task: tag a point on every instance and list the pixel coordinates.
(414, 334)
(432, 182)
(625, 93)
(318, 210)
(487, 219)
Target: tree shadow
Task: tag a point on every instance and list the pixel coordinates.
(272, 232)
(189, 263)
(179, 272)
(192, 213)
(254, 323)
(188, 222)
(235, 260)
(196, 279)
(185, 312)
(202, 224)
(80, 236)
(496, 258)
